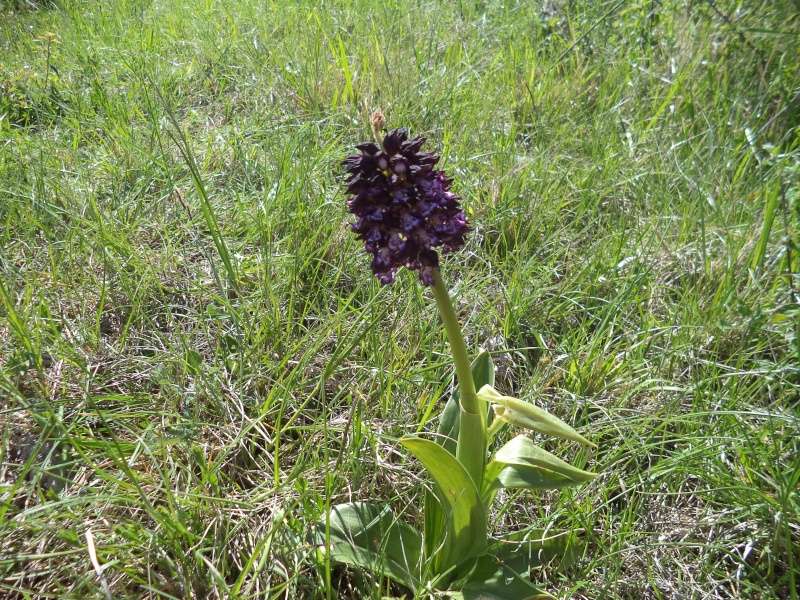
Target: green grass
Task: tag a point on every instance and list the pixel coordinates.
(195, 361)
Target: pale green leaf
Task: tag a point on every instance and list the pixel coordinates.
(483, 370)
(522, 453)
(532, 478)
(457, 492)
(524, 414)
(497, 579)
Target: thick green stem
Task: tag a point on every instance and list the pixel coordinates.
(471, 447)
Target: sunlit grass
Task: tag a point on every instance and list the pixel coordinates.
(195, 362)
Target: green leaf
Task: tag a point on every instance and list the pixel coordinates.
(483, 370)
(532, 478)
(528, 466)
(538, 547)
(459, 497)
(525, 414)
(482, 374)
(502, 573)
(521, 451)
(773, 196)
(434, 529)
(491, 483)
(369, 536)
(194, 361)
(448, 424)
(496, 579)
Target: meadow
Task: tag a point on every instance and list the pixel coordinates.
(196, 362)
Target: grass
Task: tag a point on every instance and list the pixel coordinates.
(195, 361)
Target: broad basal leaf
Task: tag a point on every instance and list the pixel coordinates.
(497, 579)
(525, 414)
(369, 536)
(502, 573)
(461, 503)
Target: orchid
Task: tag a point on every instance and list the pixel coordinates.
(405, 214)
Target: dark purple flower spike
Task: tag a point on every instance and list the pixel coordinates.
(403, 206)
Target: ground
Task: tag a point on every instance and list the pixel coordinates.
(195, 360)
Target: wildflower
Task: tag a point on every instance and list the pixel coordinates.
(405, 212)
(404, 208)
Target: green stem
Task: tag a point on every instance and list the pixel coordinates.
(471, 446)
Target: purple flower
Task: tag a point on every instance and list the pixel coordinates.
(404, 207)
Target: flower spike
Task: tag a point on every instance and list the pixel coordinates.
(404, 208)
